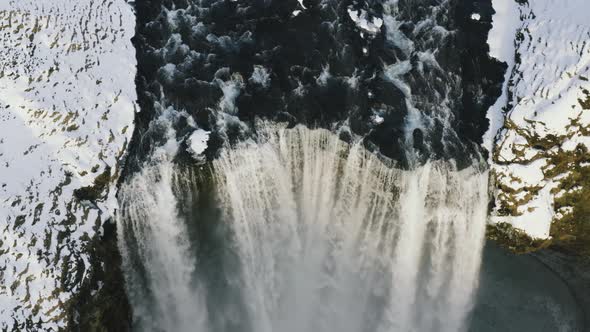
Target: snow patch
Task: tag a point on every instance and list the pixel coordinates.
(547, 83)
(362, 20)
(67, 111)
(198, 142)
(505, 23)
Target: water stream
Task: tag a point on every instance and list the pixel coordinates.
(374, 223)
(325, 237)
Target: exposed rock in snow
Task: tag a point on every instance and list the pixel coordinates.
(544, 112)
(67, 97)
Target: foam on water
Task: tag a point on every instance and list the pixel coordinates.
(156, 251)
(328, 237)
(333, 239)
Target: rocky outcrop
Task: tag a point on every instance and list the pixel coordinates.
(401, 76)
(540, 158)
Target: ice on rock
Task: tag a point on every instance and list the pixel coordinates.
(198, 142)
(362, 20)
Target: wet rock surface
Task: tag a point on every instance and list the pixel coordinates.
(411, 76)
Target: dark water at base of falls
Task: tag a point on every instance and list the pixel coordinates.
(519, 293)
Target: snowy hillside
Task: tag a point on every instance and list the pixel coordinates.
(540, 155)
(67, 100)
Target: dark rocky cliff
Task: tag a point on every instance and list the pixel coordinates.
(321, 70)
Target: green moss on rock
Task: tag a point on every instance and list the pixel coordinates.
(573, 228)
(96, 191)
(514, 239)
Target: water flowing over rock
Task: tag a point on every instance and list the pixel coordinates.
(152, 227)
(322, 236)
(296, 164)
(293, 165)
(420, 80)
(342, 186)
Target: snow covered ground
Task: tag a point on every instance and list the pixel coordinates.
(542, 121)
(67, 101)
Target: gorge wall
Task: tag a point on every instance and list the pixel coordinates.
(539, 132)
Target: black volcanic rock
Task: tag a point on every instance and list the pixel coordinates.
(323, 71)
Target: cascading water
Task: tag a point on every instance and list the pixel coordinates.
(332, 239)
(286, 229)
(154, 245)
(328, 238)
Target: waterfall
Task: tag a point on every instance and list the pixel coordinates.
(333, 239)
(154, 245)
(326, 235)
